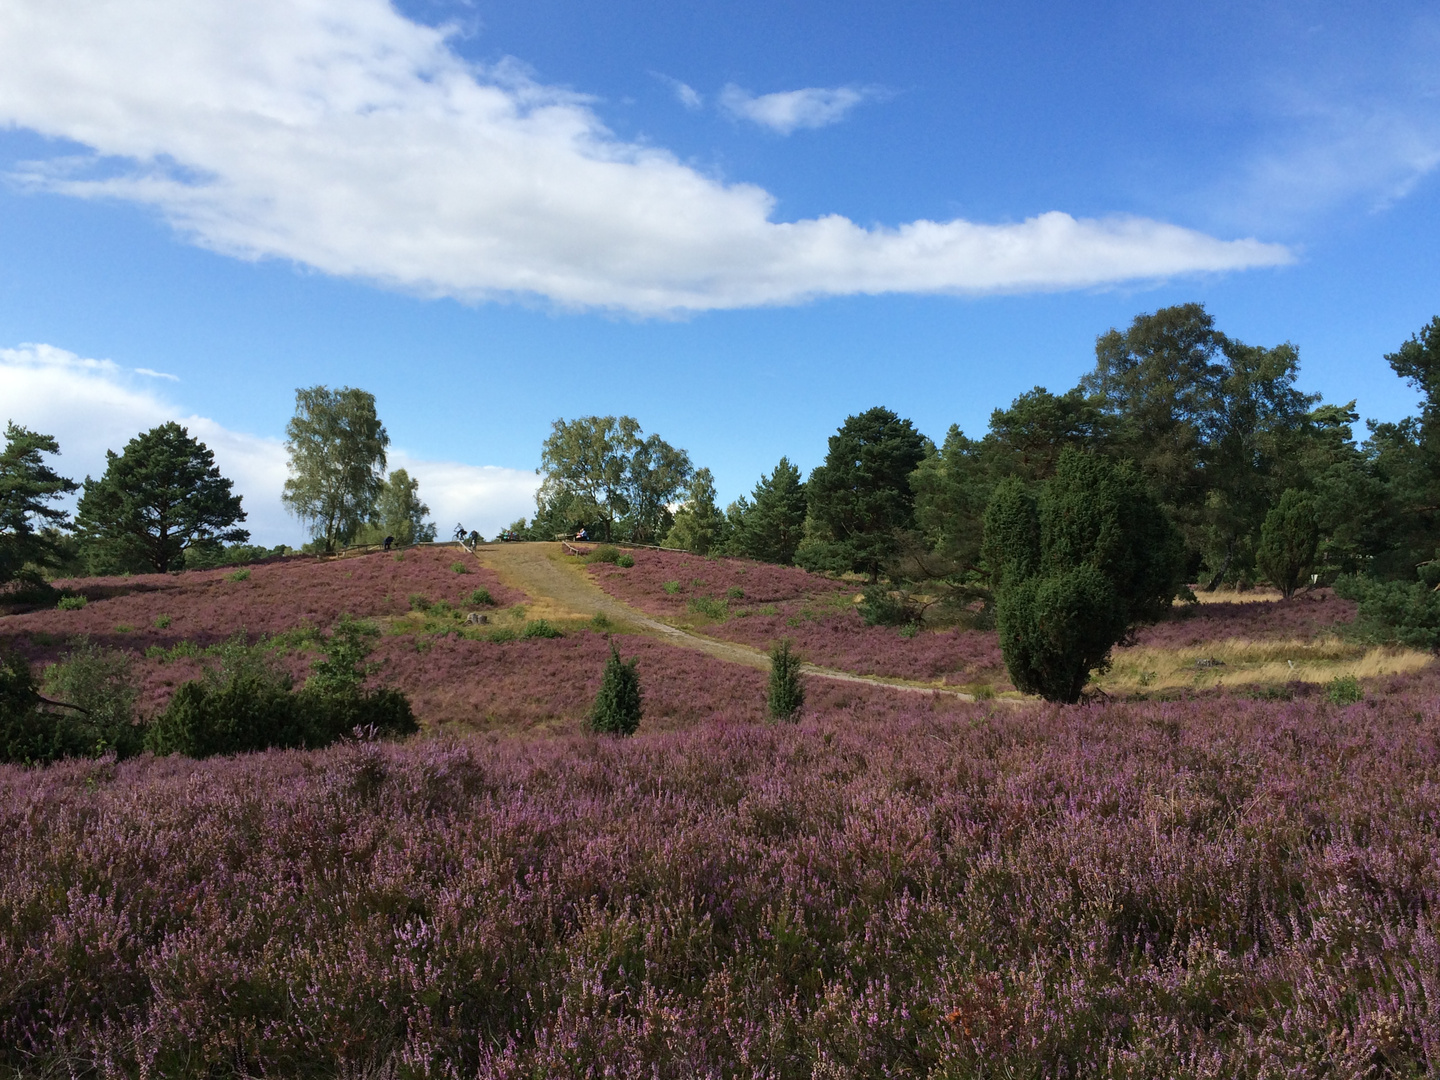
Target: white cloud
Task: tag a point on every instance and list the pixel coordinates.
(342, 136)
(156, 374)
(91, 406)
(686, 94)
(787, 110)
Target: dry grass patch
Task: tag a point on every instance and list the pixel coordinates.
(1238, 661)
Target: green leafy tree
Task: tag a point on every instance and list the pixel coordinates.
(860, 499)
(699, 526)
(599, 469)
(787, 692)
(1075, 567)
(1289, 542)
(399, 513)
(337, 451)
(29, 541)
(160, 497)
(770, 525)
(1208, 420)
(586, 461)
(618, 703)
(655, 476)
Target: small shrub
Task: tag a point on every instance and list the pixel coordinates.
(710, 606)
(787, 693)
(540, 628)
(1395, 612)
(605, 553)
(399, 556)
(671, 587)
(71, 603)
(124, 628)
(238, 575)
(1344, 690)
(502, 634)
(625, 561)
(617, 706)
(600, 621)
(481, 597)
(460, 568)
(735, 593)
(162, 622)
(419, 602)
(881, 607)
(102, 683)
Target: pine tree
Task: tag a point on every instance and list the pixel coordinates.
(27, 485)
(770, 527)
(617, 706)
(787, 693)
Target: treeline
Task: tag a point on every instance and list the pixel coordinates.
(162, 504)
(1259, 481)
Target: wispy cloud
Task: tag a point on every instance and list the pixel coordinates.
(156, 374)
(684, 93)
(788, 110)
(340, 135)
(92, 406)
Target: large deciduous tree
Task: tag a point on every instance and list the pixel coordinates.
(27, 520)
(860, 500)
(699, 524)
(600, 467)
(160, 497)
(337, 461)
(1076, 565)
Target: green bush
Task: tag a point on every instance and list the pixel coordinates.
(617, 706)
(249, 704)
(787, 693)
(419, 602)
(1344, 690)
(1289, 540)
(1075, 566)
(502, 634)
(625, 561)
(71, 603)
(1394, 612)
(481, 597)
(28, 735)
(710, 606)
(881, 606)
(734, 592)
(540, 628)
(102, 682)
(162, 622)
(239, 575)
(671, 587)
(460, 568)
(604, 553)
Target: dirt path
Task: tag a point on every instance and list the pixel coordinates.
(560, 588)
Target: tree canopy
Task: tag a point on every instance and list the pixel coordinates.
(860, 499)
(337, 461)
(160, 497)
(770, 525)
(28, 521)
(599, 468)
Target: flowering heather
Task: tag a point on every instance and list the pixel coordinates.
(815, 612)
(206, 606)
(1214, 889)
(1308, 615)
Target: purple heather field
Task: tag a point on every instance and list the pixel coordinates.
(815, 612)
(1215, 888)
(901, 884)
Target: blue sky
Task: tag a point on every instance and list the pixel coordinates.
(737, 222)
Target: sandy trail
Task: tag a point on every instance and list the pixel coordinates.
(560, 588)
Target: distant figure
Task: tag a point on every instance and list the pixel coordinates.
(474, 539)
(583, 534)
(389, 542)
(460, 533)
